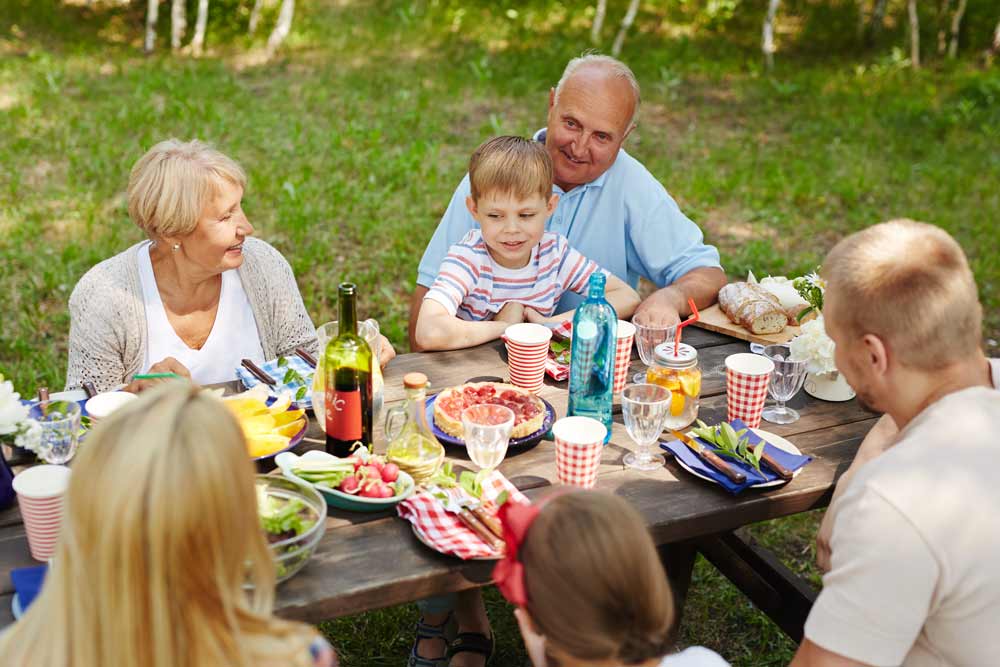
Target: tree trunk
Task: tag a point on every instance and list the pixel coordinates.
(942, 36)
(633, 9)
(198, 42)
(152, 10)
(178, 23)
(595, 29)
(767, 33)
(282, 27)
(995, 49)
(878, 19)
(956, 24)
(255, 16)
(911, 6)
(862, 20)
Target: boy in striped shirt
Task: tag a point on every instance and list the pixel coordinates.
(509, 270)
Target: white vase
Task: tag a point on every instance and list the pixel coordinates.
(828, 387)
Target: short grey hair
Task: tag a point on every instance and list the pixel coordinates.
(612, 66)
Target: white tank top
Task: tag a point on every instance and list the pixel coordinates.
(233, 337)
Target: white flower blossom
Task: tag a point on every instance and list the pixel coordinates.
(814, 346)
(12, 413)
(30, 437)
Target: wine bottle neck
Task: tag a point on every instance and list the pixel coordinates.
(348, 312)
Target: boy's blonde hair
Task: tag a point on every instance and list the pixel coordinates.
(172, 183)
(512, 166)
(596, 587)
(160, 538)
(909, 284)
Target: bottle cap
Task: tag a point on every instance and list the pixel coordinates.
(686, 355)
(414, 380)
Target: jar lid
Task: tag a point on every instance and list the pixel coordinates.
(686, 355)
(414, 380)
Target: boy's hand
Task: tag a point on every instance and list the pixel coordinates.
(535, 317)
(512, 312)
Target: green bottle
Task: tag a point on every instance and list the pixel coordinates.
(348, 396)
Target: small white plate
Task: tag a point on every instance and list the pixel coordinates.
(15, 607)
(772, 439)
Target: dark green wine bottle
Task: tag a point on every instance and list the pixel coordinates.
(348, 364)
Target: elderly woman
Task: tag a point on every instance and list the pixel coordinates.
(199, 295)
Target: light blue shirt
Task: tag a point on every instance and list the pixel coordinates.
(624, 220)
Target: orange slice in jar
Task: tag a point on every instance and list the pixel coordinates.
(676, 403)
(691, 383)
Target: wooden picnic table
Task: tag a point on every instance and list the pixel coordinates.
(370, 561)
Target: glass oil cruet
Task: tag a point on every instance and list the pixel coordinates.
(412, 445)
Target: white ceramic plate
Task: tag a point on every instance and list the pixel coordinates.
(71, 395)
(772, 439)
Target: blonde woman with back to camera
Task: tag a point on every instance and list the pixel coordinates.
(588, 584)
(159, 538)
(199, 295)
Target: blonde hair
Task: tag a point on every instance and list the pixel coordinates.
(909, 284)
(173, 182)
(596, 587)
(160, 536)
(613, 67)
(511, 165)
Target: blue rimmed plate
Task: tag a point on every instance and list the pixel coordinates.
(527, 441)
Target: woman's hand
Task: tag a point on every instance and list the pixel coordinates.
(386, 351)
(168, 365)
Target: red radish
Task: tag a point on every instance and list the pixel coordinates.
(386, 491)
(390, 472)
(369, 471)
(350, 485)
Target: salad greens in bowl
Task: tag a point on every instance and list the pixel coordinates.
(293, 518)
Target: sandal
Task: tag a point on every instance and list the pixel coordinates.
(427, 631)
(472, 642)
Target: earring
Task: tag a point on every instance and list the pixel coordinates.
(177, 246)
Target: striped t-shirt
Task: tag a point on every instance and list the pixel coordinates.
(474, 287)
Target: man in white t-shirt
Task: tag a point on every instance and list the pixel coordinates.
(914, 574)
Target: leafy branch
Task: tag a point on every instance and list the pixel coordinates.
(293, 378)
(731, 443)
(810, 288)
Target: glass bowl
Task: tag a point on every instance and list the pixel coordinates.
(292, 553)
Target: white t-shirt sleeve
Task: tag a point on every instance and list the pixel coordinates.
(882, 577)
(457, 277)
(696, 656)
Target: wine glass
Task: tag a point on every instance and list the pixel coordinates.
(645, 408)
(646, 340)
(486, 431)
(787, 378)
(60, 434)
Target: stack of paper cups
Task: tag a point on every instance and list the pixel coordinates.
(527, 350)
(579, 445)
(40, 492)
(623, 354)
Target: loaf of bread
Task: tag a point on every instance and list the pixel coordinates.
(753, 307)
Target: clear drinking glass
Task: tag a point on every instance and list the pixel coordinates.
(60, 422)
(646, 340)
(645, 408)
(786, 380)
(486, 431)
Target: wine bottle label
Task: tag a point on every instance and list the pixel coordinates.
(343, 414)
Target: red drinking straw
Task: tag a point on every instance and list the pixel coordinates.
(695, 316)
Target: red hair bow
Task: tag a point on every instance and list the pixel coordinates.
(508, 574)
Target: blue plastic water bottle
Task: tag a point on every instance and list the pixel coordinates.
(592, 356)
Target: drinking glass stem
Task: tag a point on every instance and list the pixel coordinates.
(780, 407)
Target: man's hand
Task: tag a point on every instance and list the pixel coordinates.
(656, 311)
(168, 365)
(511, 312)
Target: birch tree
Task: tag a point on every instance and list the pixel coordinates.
(633, 9)
(178, 23)
(283, 26)
(198, 42)
(878, 19)
(595, 29)
(152, 11)
(956, 24)
(767, 33)
(995, 47)
(255, 16)
(911, 6)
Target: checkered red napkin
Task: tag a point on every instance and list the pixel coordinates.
(443, 531)
(553, 368)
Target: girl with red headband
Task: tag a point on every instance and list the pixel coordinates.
(588, 584)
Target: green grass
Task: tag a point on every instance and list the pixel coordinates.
(355, 137)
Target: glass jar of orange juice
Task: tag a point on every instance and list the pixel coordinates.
(680, 374)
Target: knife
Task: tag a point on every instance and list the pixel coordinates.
(782, 472)
(735, 476)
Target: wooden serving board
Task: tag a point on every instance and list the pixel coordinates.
(714, 319)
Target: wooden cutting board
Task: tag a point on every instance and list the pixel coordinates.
(714, 319)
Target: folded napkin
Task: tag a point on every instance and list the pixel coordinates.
(791, 461)
(272, 368)
(443, 531)
(555, 370)
(27, 582)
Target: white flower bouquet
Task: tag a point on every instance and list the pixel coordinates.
(15, 426)
(815, 347)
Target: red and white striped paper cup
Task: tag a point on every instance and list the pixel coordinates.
(747, 376)
(623, 354)
(40, 493)
(579, 445)
(527, 350)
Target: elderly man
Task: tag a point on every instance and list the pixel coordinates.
(610, 207)
(915, 545)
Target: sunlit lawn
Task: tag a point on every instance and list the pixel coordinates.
(355, 138)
